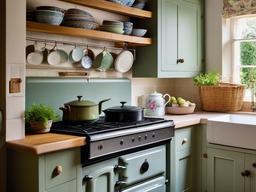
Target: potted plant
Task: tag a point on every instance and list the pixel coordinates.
(40, 117)
(218, 96)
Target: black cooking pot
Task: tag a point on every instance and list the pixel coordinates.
(124, 113)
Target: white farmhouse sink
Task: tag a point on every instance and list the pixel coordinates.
(233, 130)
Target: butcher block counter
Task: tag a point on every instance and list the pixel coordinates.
(50, 142)
(45, 143)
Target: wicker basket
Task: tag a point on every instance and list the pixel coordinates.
(222, 98)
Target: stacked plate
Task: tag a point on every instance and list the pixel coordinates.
(49, 15)
(113, 26)
(80, 19)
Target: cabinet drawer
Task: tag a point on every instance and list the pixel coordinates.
(61, 167)
(142, 165)
(183, 139)
(66, 187)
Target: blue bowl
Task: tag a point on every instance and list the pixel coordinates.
(49, 17)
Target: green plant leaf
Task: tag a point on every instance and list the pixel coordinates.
(211, 78)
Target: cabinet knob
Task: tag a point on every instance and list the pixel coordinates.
(184, 141)
(58, 170)
(254, 165)
(246, 173)
(180, 61)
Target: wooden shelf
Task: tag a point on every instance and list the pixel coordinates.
(92, 34)
(113, 7)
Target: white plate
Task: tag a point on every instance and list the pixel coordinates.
(124, 61)
(35, 58)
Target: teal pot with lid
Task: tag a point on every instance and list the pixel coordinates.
(82, 110)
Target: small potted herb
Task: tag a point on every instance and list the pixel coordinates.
(40, 117)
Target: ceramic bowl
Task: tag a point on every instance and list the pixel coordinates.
(118, 30)
(77, 12)
(139, 32)
(180, 110)
(139, 5)
(49, 17)
(50, 8)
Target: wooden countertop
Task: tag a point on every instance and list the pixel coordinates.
(45, 143)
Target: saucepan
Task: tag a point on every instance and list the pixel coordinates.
(82, 110)
(124, 113)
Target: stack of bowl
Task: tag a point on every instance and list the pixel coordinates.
(128, 3)
(113, 26)
(49, 15)
(140, 4)
(80, 19)
(128, 26)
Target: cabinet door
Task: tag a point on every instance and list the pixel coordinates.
(250, 165)
(224, 170)
(184, 172)
(100, 177)
(66, 187)
(189, 35)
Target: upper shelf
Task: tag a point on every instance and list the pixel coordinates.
(113, 7)
(93, 34)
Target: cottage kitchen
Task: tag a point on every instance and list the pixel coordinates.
(127, 95)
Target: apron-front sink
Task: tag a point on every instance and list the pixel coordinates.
(233, 130)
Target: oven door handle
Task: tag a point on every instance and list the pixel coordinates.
(91, 180)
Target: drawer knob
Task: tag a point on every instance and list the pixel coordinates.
(144, 167)
(180, 60)
(254, 165)
(184, 141)
(58, 170)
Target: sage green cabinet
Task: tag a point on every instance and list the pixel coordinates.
(176, 51)
(231, 169)
(224, 170)
(53, 172)
(186, 161)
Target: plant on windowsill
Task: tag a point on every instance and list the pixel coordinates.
(40, 117)
(218, 96)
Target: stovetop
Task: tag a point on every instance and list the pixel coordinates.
(83, 128)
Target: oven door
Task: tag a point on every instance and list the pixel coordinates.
(154, 185)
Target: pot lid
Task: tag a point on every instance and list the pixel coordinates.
(81, 103)
(124, 108)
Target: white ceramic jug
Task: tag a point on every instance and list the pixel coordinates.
(155, 104)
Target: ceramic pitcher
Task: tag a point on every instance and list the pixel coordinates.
(155, 104)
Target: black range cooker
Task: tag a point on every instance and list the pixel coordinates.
(129, 156)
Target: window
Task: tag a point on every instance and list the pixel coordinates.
(243, 31)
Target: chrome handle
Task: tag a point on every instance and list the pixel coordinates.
(87, 178)
(180, 61)
(118, 183)
(246, 173)
(118, 168)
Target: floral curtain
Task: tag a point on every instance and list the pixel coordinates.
(233, 8)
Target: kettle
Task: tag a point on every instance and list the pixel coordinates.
(155, 104)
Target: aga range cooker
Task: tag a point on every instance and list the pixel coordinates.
(123, 156)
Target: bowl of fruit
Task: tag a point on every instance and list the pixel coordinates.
(180, 106)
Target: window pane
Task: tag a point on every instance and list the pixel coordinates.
(245, 28)
(248, 53)
(247, 75)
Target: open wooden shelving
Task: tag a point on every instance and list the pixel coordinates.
(93, 34)
(113, 7)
